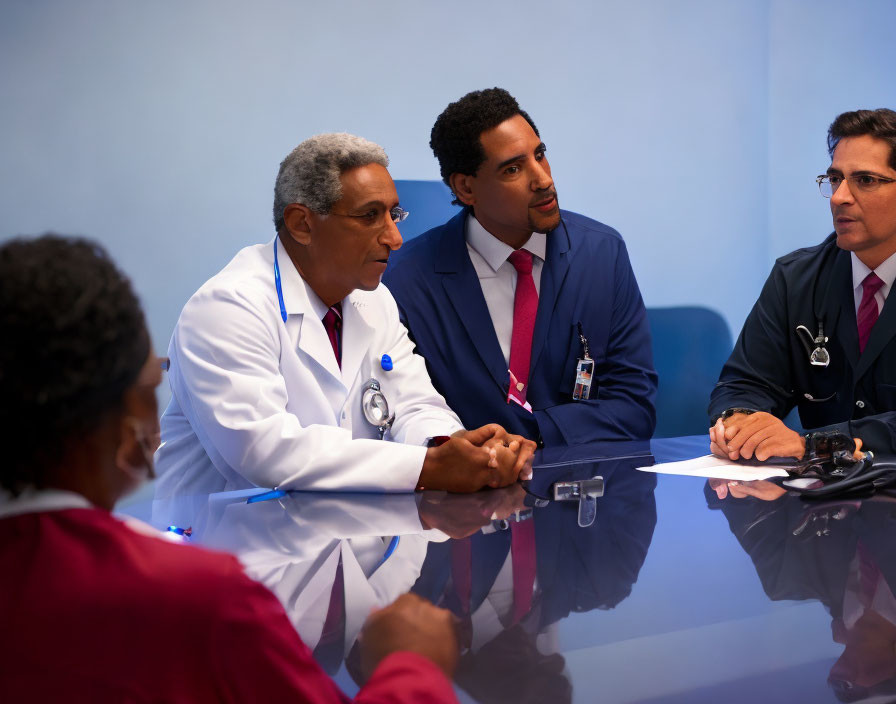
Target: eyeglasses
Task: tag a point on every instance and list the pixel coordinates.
(862, 182)
(396, 215)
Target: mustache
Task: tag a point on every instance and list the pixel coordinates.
(542, 196)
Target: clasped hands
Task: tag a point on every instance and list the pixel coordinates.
(473, 459)
(760, 435)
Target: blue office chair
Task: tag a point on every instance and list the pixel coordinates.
(690, 345)
(429, 204)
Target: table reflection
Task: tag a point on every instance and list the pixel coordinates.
(509, 604)
(509, 563)
(841, 553)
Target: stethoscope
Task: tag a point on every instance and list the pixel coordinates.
(815, 346)
(373, 401)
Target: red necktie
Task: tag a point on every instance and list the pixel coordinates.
(522, 551)
(869, 575)
(333, 326)
(867, 314)
(525, 306)
(462, 573)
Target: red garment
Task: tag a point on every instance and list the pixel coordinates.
(91, 611)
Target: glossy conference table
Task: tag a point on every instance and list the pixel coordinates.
(655, 591)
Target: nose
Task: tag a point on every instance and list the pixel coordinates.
(391, 236)
(541, 175)
(842, 194)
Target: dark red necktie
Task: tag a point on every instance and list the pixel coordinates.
(522, 550)
(331, 646)
(462, 574)
(333, 326)
(867, 314)
(869, 575)
(525, 307)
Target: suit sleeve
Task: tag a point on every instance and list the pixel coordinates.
(624, 406)
(757, 375)
(878, 432)
(257, 655)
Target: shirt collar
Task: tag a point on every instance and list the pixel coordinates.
(493, 250)
(886, 271)
(39, 500)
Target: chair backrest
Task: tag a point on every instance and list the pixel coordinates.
(690, 345)
(429, 204)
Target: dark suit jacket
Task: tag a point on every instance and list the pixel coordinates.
(587, 279)
(792, 561)
(769, 368)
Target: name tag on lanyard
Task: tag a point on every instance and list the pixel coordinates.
(584, 371)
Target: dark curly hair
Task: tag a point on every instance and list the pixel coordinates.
(74, 340)
(880, 124)
(455, 135)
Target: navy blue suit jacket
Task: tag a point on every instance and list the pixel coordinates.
(587, 279)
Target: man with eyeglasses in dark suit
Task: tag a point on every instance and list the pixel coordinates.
(822, 336)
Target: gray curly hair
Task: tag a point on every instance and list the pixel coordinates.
(310, 174)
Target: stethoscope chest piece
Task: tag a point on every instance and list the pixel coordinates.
(819, 356)
(376, 408)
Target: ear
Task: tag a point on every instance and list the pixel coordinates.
(462, 186)
(128, 456)
(297, 218)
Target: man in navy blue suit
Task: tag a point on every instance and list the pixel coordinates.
(527, 315)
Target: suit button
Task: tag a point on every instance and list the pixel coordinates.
(860, 404)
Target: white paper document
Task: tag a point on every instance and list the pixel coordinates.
(716, 468)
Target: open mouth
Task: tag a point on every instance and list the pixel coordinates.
(547, 204)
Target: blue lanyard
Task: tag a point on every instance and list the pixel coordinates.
(389, 550)
(277, 281)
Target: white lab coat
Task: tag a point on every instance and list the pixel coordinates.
(293, 544)
(256, 401)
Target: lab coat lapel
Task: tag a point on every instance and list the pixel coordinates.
(553, 275)
(356, 336)
(462, 288)
(312, 336)
(315, 343)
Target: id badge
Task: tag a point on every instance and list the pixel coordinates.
(584, 372)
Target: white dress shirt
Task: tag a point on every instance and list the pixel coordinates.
(497, 276)
(886, 271)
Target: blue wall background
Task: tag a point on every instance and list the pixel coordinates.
(695, 127)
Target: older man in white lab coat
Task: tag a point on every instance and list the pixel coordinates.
(271, 358)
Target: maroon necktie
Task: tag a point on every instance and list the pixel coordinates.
(869, 575)
(867, 314)
(333, 326)
(331, 646)
(525, 306)
(522, 550)
(462, 573)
